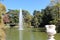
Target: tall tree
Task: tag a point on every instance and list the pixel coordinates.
(27, 17)
(37, 18)
(47, 16)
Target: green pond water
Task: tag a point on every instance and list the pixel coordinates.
(15, 34)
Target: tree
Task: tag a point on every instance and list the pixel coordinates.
(13, 16)
(57, 6)
(36, 21)
(27, 17)
(47, 16)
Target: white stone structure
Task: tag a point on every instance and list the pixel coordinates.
(50, 29)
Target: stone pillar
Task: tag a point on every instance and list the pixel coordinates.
(50, 29)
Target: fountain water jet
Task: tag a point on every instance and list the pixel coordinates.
(20, 20)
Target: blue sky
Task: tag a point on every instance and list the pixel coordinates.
(29, 5)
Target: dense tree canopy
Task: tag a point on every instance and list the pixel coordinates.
(13, 16)
(27, 18)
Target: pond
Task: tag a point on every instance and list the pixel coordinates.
(15, 34)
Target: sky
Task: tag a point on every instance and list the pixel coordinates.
(29, 5)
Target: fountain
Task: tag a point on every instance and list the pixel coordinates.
(20, 20)
(50, 29)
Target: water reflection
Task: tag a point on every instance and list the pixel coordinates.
(15, 34)
(35, 35)
(21, 35)
(32, 35)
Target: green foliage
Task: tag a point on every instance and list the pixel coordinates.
(13, 16)
(37, 19)
(27, 18)
(47, 16)
(35, 22)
